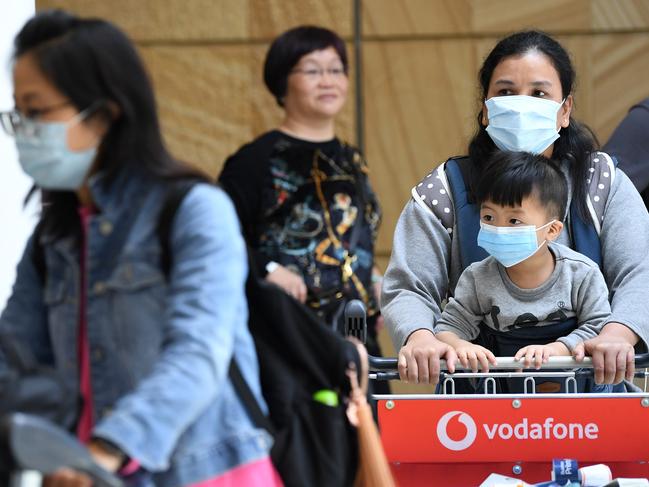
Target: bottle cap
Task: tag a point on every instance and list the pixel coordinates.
(595, 475)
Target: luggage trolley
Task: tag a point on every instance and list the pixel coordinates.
(459, 439)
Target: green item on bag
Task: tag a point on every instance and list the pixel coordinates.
(326, 397)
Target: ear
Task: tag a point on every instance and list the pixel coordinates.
(554, 230)
(113, 109)
(563, 117)
(484, 120)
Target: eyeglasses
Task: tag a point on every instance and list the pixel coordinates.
(315, 73)
(16, 123)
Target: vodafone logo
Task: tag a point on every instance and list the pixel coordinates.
(548, 429)
(456, 445)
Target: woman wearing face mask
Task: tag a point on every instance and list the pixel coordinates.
(147, 347)
(527, 83)
(303, 196)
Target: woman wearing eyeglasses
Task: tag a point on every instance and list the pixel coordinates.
(303, 196)
(147, 347)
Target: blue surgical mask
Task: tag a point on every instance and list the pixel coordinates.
(510, 245)
(522, 123)
(46, 158)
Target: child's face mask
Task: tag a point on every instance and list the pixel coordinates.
(510, 245)
(522, 123)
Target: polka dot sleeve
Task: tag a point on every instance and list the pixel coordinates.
(600, 179)
(433, 193)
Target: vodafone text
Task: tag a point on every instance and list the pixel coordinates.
(525, 430)
(548, 430)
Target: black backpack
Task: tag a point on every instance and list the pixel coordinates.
(299, 355)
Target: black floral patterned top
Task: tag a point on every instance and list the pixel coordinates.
(303, 205)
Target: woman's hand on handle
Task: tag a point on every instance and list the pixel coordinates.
(66, 477)
(289, 281)
(612, 353)
(419, 358)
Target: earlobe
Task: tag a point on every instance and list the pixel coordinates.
(566, 110)
(113, 109)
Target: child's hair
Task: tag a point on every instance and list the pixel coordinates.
(509, 177)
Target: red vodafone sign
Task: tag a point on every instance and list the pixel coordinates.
(525, 429)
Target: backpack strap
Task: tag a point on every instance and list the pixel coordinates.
(467, 211)
(585, 234)
(248, 400)
(174, 196)
(445, 193)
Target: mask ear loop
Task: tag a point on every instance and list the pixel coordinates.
(545, 240)
(85, 113)
(548, 223)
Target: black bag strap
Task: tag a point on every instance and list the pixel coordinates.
(174, 197)
(248, 399)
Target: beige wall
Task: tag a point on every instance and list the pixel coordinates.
(420, 64)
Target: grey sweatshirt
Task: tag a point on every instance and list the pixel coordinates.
(425, 266)
(486, 294)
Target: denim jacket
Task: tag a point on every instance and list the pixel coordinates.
(160, 346)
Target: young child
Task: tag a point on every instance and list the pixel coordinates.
(532, 296)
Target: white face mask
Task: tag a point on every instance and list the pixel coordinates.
(45, 155)
(522, 123)
(510, 245)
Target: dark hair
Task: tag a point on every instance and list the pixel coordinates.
(287, 49)
(576, 141)
(94, 64)
(509, 177)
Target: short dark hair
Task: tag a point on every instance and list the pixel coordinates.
(93, 63)
(287, 50)
(576, 142)
(509, 177)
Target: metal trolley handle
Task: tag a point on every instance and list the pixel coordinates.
(383, 368)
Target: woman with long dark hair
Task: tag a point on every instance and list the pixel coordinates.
(147, 345)
(527, 83)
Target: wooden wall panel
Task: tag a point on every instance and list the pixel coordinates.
(416, 18)
(203, 119)
(503, 16)
(387, 18)
(620, 14)
(270, 17)
(619, 78)
(419, 99)
(167, 21)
